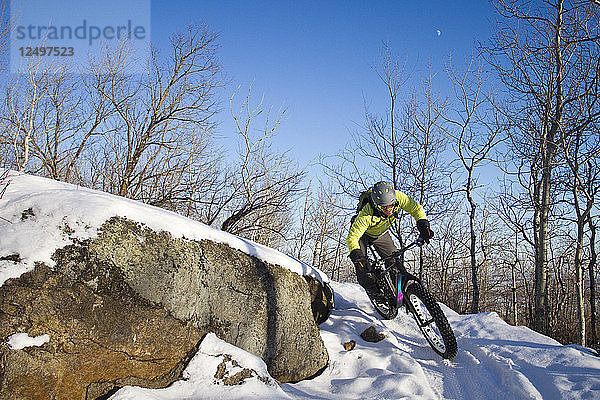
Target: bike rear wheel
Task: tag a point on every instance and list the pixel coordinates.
(386, 307)
(431, 320)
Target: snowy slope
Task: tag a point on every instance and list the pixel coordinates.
(495, 360)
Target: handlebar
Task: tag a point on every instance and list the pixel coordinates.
(380, 264)
(419, 242)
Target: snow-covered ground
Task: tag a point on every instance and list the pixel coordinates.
(494, 361)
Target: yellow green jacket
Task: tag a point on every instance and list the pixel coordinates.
(373, 223)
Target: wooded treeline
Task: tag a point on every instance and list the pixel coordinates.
(505, 162)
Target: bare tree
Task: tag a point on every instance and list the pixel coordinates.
(156, 145)
(318, 235)
(302, 236)
(21, 111)
(447, 276)
(513, 282)
(402, 144)
(534, 54)
(375, 153)
(425, 173)
(327, 220)
(514, 219)
(385, 137)
(583, 186)
(257, 191)
(143, 137)
(475, 134)
(592, 275)
(581, 150)
(63, 122)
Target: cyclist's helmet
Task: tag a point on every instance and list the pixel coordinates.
(383, 194)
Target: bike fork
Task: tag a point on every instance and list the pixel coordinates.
(400, 298)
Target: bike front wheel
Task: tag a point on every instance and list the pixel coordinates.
(431, 320)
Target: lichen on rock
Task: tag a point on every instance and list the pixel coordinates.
(130, 306)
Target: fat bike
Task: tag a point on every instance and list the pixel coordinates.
(399, 288)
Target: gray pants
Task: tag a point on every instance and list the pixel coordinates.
(384, 246)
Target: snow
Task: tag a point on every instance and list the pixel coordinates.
(199, 377)
(495, 360)
(64, 212)
(19, 341)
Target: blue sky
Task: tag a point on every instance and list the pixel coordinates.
(314, 58)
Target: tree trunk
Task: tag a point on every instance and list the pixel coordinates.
(591, 271)
(514, 282)
(549, 148)
(540, 314)
(474, 272)
(579, 282)
(582, 218)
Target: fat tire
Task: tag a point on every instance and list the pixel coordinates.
(386, 307)
(385, 301)
(445, 330)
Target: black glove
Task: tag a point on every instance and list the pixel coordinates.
(425, 233)
(360, 261)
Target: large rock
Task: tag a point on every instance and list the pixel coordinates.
(131, 306)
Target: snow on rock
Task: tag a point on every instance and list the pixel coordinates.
(202, 281)
(19, 341)
(40, 215)
(218, 371)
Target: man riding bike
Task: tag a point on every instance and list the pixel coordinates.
(378, 211)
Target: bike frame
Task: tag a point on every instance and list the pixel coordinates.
(401, 271)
